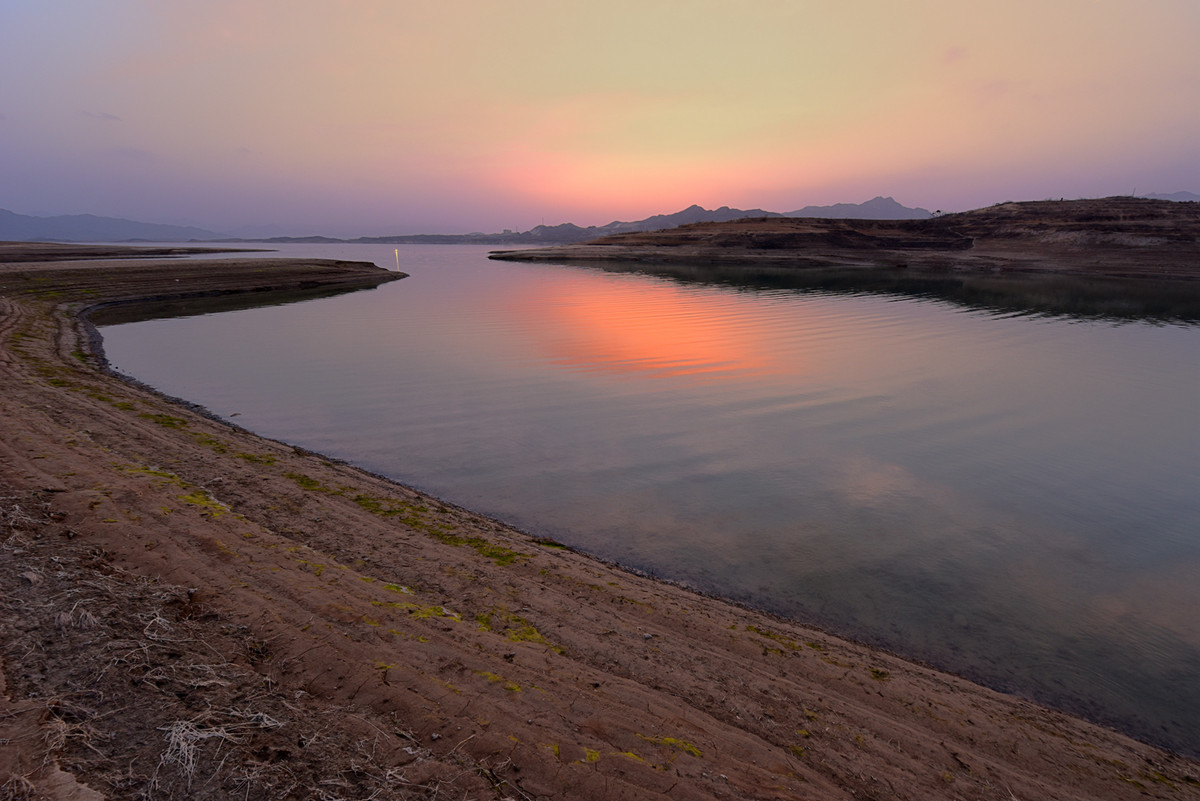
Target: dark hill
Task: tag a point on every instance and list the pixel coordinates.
(1120, 236)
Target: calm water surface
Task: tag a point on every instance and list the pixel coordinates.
(1012, 496)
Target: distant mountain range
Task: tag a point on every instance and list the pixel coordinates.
(90, 228)
(879, 208)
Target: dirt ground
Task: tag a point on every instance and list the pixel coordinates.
(188, 610)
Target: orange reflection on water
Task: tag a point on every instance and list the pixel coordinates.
(648, 329)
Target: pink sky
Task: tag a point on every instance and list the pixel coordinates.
(367, 117)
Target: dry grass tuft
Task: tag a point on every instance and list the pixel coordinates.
(21, 513)
(76, 618)
(17, 788)
(184, 737)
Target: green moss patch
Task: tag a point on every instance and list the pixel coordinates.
(511, 686)
(674, 742)
(311, 484)
(257, 458)
(513, 627)
(779, 638)
(164, 420)
(202, 499)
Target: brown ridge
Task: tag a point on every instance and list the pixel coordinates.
(1112, 237)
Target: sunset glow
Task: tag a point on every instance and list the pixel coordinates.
(647, 330)
(381, 117)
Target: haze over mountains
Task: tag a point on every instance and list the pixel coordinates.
(92, 228)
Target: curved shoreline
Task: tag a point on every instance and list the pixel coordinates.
(161, 568)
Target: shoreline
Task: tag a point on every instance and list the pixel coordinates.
(191, 607)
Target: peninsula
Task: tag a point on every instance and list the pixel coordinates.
(1122, 237)
(189, 610)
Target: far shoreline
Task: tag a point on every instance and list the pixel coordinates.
(1127, 238)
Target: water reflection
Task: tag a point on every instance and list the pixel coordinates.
(1007, 293)
(660, 330)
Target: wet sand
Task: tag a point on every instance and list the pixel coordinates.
(190, 610)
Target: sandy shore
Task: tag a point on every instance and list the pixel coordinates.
(188, 610)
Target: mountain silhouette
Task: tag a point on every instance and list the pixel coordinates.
(877, 208)
(90, 228)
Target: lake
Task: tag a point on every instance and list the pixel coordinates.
(1001, 478)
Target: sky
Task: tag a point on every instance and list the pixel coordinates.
(375, 117)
